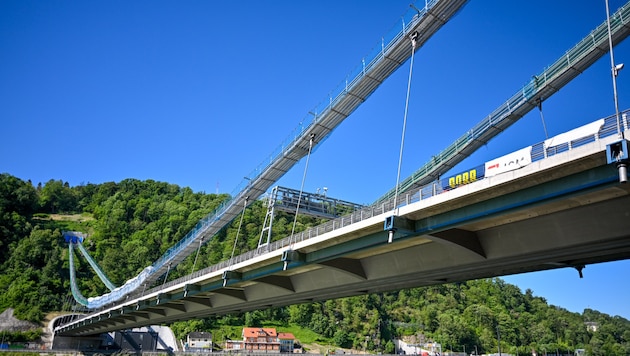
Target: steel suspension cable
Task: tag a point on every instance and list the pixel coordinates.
(297, 208)
(542, 117)
(166, 276)
(197, 255)
(238, 231)
(615, 70)
(413, 37)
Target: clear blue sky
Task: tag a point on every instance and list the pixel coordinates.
(199, 93)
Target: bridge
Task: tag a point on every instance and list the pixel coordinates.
(456, 224)
(563, 206)
(417, 27)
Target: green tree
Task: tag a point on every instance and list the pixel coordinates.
(56, 196)
(18, 202)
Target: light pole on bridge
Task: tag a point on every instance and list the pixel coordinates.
(615, 68)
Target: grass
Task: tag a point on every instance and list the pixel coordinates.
(65, 222)
(311, 341)
(305, 336)
(72, 217)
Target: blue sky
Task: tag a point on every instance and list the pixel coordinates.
(199, 93)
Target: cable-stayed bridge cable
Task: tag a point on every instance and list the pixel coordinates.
(297, 207)
(322, 120)
(413, 38)
(542, 86)
(355, 91)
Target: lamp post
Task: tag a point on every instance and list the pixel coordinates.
(615, 71)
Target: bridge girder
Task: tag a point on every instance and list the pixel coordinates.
(563, 211)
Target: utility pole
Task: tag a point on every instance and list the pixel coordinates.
(499, 339)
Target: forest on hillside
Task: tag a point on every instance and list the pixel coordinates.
(137, 221)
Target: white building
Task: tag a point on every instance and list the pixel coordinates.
(199, 341)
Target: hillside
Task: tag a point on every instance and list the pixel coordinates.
(137, 221)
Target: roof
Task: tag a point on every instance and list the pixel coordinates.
(200, 335)
(286, 336)
(256, 332)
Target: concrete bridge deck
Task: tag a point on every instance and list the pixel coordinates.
(567, 210)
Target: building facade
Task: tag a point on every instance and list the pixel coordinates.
(199, 341)
(265, 340)
(287, 342)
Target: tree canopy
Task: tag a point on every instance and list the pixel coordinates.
(137, 221)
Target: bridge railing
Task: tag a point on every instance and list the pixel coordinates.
(408, 19)
(377, 53)
(558, 72)
(538, 152)
(500, 118)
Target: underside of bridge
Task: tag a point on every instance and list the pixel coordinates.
(566, 211)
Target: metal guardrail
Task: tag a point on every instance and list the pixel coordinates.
(502, 117)
(315, 115)
(388, 55)
(539, 152)
(552, 78)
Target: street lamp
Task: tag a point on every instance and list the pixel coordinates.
(615, 71)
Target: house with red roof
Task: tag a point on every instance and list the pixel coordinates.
(262, 340)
